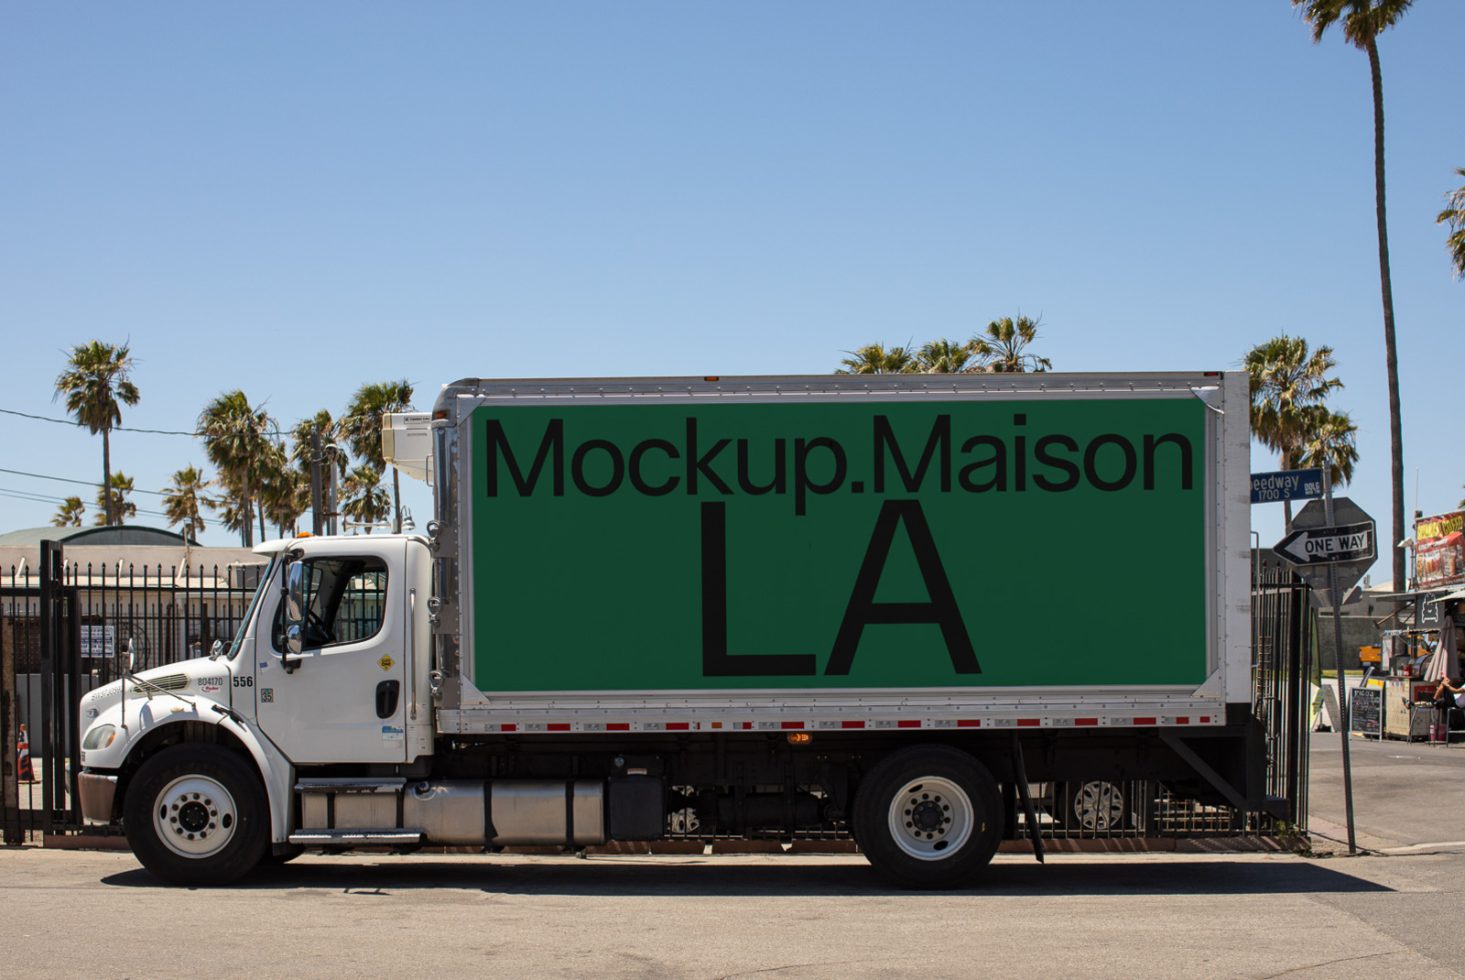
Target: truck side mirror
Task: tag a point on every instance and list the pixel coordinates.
(295, 606)
(127, 658)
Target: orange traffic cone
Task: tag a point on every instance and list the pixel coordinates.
(24, 771)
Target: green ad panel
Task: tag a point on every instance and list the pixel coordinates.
(826, 545)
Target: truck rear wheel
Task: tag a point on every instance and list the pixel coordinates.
(928, 817)
(195, 815)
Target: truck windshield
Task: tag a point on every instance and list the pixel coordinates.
(236, 644)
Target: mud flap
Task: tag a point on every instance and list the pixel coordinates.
(1020, 774)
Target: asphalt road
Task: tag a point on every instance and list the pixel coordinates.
(1393, 912)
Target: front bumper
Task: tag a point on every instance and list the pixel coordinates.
(96, 792)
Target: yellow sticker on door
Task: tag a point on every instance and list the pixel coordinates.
(386, 662)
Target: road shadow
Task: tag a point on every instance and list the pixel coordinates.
(618, 877)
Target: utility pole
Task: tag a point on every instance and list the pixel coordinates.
(317, 491)
(331, 489)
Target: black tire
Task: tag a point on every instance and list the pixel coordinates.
(948, 822)
(196, 815)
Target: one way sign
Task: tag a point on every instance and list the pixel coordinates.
(1321, 545)
(1347, 546)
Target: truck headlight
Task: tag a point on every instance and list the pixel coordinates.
(100, 737)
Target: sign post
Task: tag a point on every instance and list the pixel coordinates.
(1332, 546)
(1335, 596)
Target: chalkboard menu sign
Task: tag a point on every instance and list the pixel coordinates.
(1366, 711)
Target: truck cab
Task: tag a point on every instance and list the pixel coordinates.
(334, 682)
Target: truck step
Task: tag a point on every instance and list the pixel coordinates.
(386, 836)
(350, 784)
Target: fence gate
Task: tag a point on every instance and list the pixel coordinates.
(39, 668)
(62, 628)
(1282, 648)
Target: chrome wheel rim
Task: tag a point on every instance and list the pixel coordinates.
(1098, 806)
(195, 816)
(931, 818)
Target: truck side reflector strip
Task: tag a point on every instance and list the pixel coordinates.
(851, 724)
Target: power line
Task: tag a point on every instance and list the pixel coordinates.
(41, 498)
(273, 428)
(115, 428)
(86, 483)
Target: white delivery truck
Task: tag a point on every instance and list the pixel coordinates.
(760, 607)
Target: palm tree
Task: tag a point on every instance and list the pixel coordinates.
(183, 500)
(116, 502)
(944, 357)
(1332, 442)
(1453, 216)
(877, 359)
(362, 427)
(304, 432)
(97, 383)
(1362, 23)
(366, 501)
(1003, 348)
(234, 438)
(1289, 384)
(70, 513)
(284, 493)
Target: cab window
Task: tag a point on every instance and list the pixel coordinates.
(345, 602)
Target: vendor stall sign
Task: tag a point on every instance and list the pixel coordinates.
(1366, 711)
(1439, 550)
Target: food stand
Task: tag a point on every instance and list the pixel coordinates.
(1404, 686)
(1432, 611)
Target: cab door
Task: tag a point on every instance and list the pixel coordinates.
(343, 699)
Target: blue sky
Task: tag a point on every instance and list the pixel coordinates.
(295, 198)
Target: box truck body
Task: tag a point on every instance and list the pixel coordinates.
(755, 606)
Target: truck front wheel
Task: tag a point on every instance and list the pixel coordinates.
(928, 817)
(195, 815)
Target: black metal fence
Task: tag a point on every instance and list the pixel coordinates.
(1283, 647)
(62, 627)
